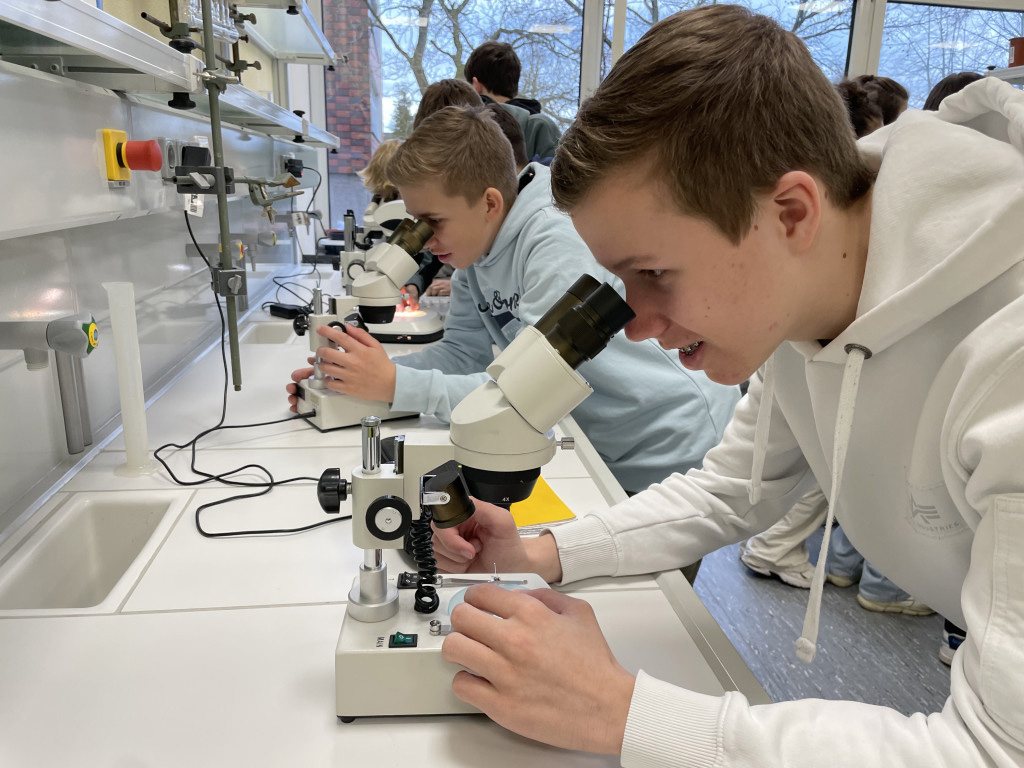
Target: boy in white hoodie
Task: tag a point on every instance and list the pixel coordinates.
(515, 255)
(876, 297)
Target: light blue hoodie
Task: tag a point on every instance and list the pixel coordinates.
(648, 416)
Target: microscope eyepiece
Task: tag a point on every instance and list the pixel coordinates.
(411, 235)
(586, 328)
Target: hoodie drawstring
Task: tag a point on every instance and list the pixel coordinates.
(764, 418)
(807, 643)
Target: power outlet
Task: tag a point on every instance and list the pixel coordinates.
(293, 166)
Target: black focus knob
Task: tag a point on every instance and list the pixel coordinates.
(331, 490)
(300, 324)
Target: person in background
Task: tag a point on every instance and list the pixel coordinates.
(947, 86)
(515, 256)
(445, 93)
(890, 97)
(374, 175)
(873, 293)
(781, 551)
(493, 69)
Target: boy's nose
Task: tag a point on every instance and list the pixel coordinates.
(646, 325)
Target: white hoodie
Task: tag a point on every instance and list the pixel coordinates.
(923, 395)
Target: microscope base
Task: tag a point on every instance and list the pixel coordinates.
(376, 677)
(334, 410)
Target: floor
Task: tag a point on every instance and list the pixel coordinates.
(885, 659)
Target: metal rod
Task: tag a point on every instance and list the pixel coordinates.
(83, 400)
(69, 403)
(217, 144)
(371, 443)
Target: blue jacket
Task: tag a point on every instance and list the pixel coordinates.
(648, 416)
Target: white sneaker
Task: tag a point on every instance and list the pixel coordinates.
(796, 576)
(908, 607)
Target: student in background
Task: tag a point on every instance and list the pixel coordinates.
(947, 86)
(493, 69)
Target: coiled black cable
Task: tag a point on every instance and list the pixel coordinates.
(425, 600)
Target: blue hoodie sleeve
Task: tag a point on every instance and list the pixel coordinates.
(437, 377)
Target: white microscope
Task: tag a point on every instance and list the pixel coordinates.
(388, 657)
(372, 305)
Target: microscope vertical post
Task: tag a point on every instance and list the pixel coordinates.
(372, 599)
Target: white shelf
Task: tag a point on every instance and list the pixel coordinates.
(292, 37)
(76, 40)
(1014, 75)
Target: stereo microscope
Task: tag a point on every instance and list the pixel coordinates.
(372, 306)
(388, 657)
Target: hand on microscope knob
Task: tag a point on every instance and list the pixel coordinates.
(360, 367)
(540, 667)
(490, 541)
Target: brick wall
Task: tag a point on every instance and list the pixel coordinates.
(353, 89)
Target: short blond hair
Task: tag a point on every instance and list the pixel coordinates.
(717, 103)
(374, 175)
(461, 147)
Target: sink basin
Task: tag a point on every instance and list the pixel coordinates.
(87, 554)
(268, 333)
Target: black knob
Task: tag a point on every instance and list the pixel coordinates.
(300, 324)
(331, 490)
(181, 100)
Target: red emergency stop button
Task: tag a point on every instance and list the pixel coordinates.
(140, 155)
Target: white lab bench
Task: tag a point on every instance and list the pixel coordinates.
(220, 652)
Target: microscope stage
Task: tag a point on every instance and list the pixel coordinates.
(421, 326)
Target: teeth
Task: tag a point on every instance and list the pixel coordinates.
(689, 350)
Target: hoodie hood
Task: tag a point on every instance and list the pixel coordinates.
(530, 105)
(534, 198)
(968, 164)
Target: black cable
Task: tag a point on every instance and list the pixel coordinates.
(226, 477)
(319, 181)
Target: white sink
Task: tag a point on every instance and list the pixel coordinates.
(268, 333)
(86, 556)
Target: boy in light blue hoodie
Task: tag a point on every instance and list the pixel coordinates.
(514, 255)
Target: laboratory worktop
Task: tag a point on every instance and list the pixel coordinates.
(220, 652)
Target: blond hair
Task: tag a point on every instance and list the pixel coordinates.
(717, 103)
(462, 148)
(374, 175)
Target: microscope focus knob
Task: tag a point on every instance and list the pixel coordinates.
(331, 490)
(300, 324)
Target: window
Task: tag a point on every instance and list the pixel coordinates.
(431, 41)
(824, 25)
(921, 44)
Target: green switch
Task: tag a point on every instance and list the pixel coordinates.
(399, 640)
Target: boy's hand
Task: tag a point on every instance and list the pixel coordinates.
(360, 367)
(299, 374)
(440, 287)
(490, 541)
(539, 666)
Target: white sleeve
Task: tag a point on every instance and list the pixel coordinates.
(678, 521)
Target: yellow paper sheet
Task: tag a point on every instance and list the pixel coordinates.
(543, 507)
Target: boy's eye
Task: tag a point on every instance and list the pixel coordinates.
(650, 274)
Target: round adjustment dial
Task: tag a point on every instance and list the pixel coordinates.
(388, 518)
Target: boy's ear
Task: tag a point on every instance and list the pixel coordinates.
(477, 86)
(797, 201)
(495, 204)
